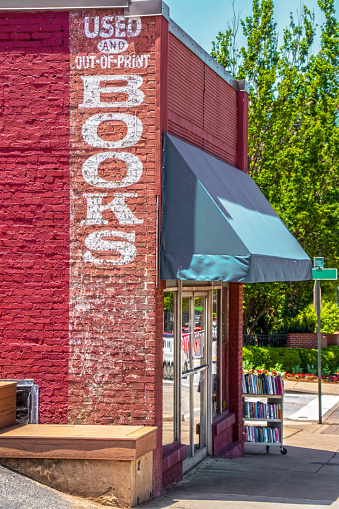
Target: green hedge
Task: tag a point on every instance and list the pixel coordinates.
(290, 359)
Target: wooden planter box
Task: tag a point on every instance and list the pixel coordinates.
(85, 460)
(7, 404)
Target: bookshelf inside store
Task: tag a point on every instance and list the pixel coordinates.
(263, 403)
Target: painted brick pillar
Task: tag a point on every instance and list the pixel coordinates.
(115, 300)
(235, 357)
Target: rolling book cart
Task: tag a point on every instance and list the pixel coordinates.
(263, 404)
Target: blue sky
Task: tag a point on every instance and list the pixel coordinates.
(203, 19)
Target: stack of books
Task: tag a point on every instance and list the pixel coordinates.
(259, 410)
(263, 434)
(261, 383)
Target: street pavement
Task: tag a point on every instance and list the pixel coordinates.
(20, 492)
(307, 477)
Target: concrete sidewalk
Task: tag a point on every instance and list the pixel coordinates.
(311, 387)
(306, 477)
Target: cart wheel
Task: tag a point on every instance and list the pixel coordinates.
(283, 450)
(267, 449)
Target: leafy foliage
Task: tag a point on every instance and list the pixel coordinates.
(293, 140)
(329, 317)
(291, 360)
(306, 319)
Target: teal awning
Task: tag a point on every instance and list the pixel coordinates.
(216, 225)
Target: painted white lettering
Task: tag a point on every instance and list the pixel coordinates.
(92, 60)
(95, 242)
(133, 27)
(104, 64)
(95, 208)
(103, 46)
(95, 32)
(120, 25)
(140, 60)
(112, 46)
(107, 26)
(120, 61)
(90, 170)
(78, 62)
(146, 57)
(93, 91)
(127, 62)
(85, 62)
(133, 124)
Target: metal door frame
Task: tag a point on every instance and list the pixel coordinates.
(206, 404)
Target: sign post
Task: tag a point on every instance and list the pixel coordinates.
(319, 273)
(317, 312)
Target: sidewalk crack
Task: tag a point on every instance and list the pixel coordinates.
(292, 434)
(327, 462)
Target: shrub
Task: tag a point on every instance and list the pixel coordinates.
(306, 320)
(247, 355)
(329, 317)
(330, 358)
(290, 359)
(308, 356)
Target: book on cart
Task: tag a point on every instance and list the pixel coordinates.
(263, 403)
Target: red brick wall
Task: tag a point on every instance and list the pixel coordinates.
(34, 210)
(202, 106)
(115, 305)
(222, 432)
(305, 340)
(172, 458)
(234, 379)
(332, 339)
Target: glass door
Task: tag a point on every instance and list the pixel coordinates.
(194, 372)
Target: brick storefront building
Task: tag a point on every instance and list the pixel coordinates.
(90, 215)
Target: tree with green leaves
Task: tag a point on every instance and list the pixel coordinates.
(293, 140)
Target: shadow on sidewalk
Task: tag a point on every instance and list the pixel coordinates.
(304, 476)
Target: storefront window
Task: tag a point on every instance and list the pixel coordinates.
(168, 368)
(193, 360)
(219, 342)
(215, 352)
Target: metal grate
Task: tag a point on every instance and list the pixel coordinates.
(274, 340)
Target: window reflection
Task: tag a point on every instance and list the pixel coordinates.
(168, 368)
(215, 353)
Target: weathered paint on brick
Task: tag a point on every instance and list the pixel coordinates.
(113, 220)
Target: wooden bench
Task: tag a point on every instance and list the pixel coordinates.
(84, 460)
(7, 403)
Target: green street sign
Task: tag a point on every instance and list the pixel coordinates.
(318, 262)
(329, 274)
